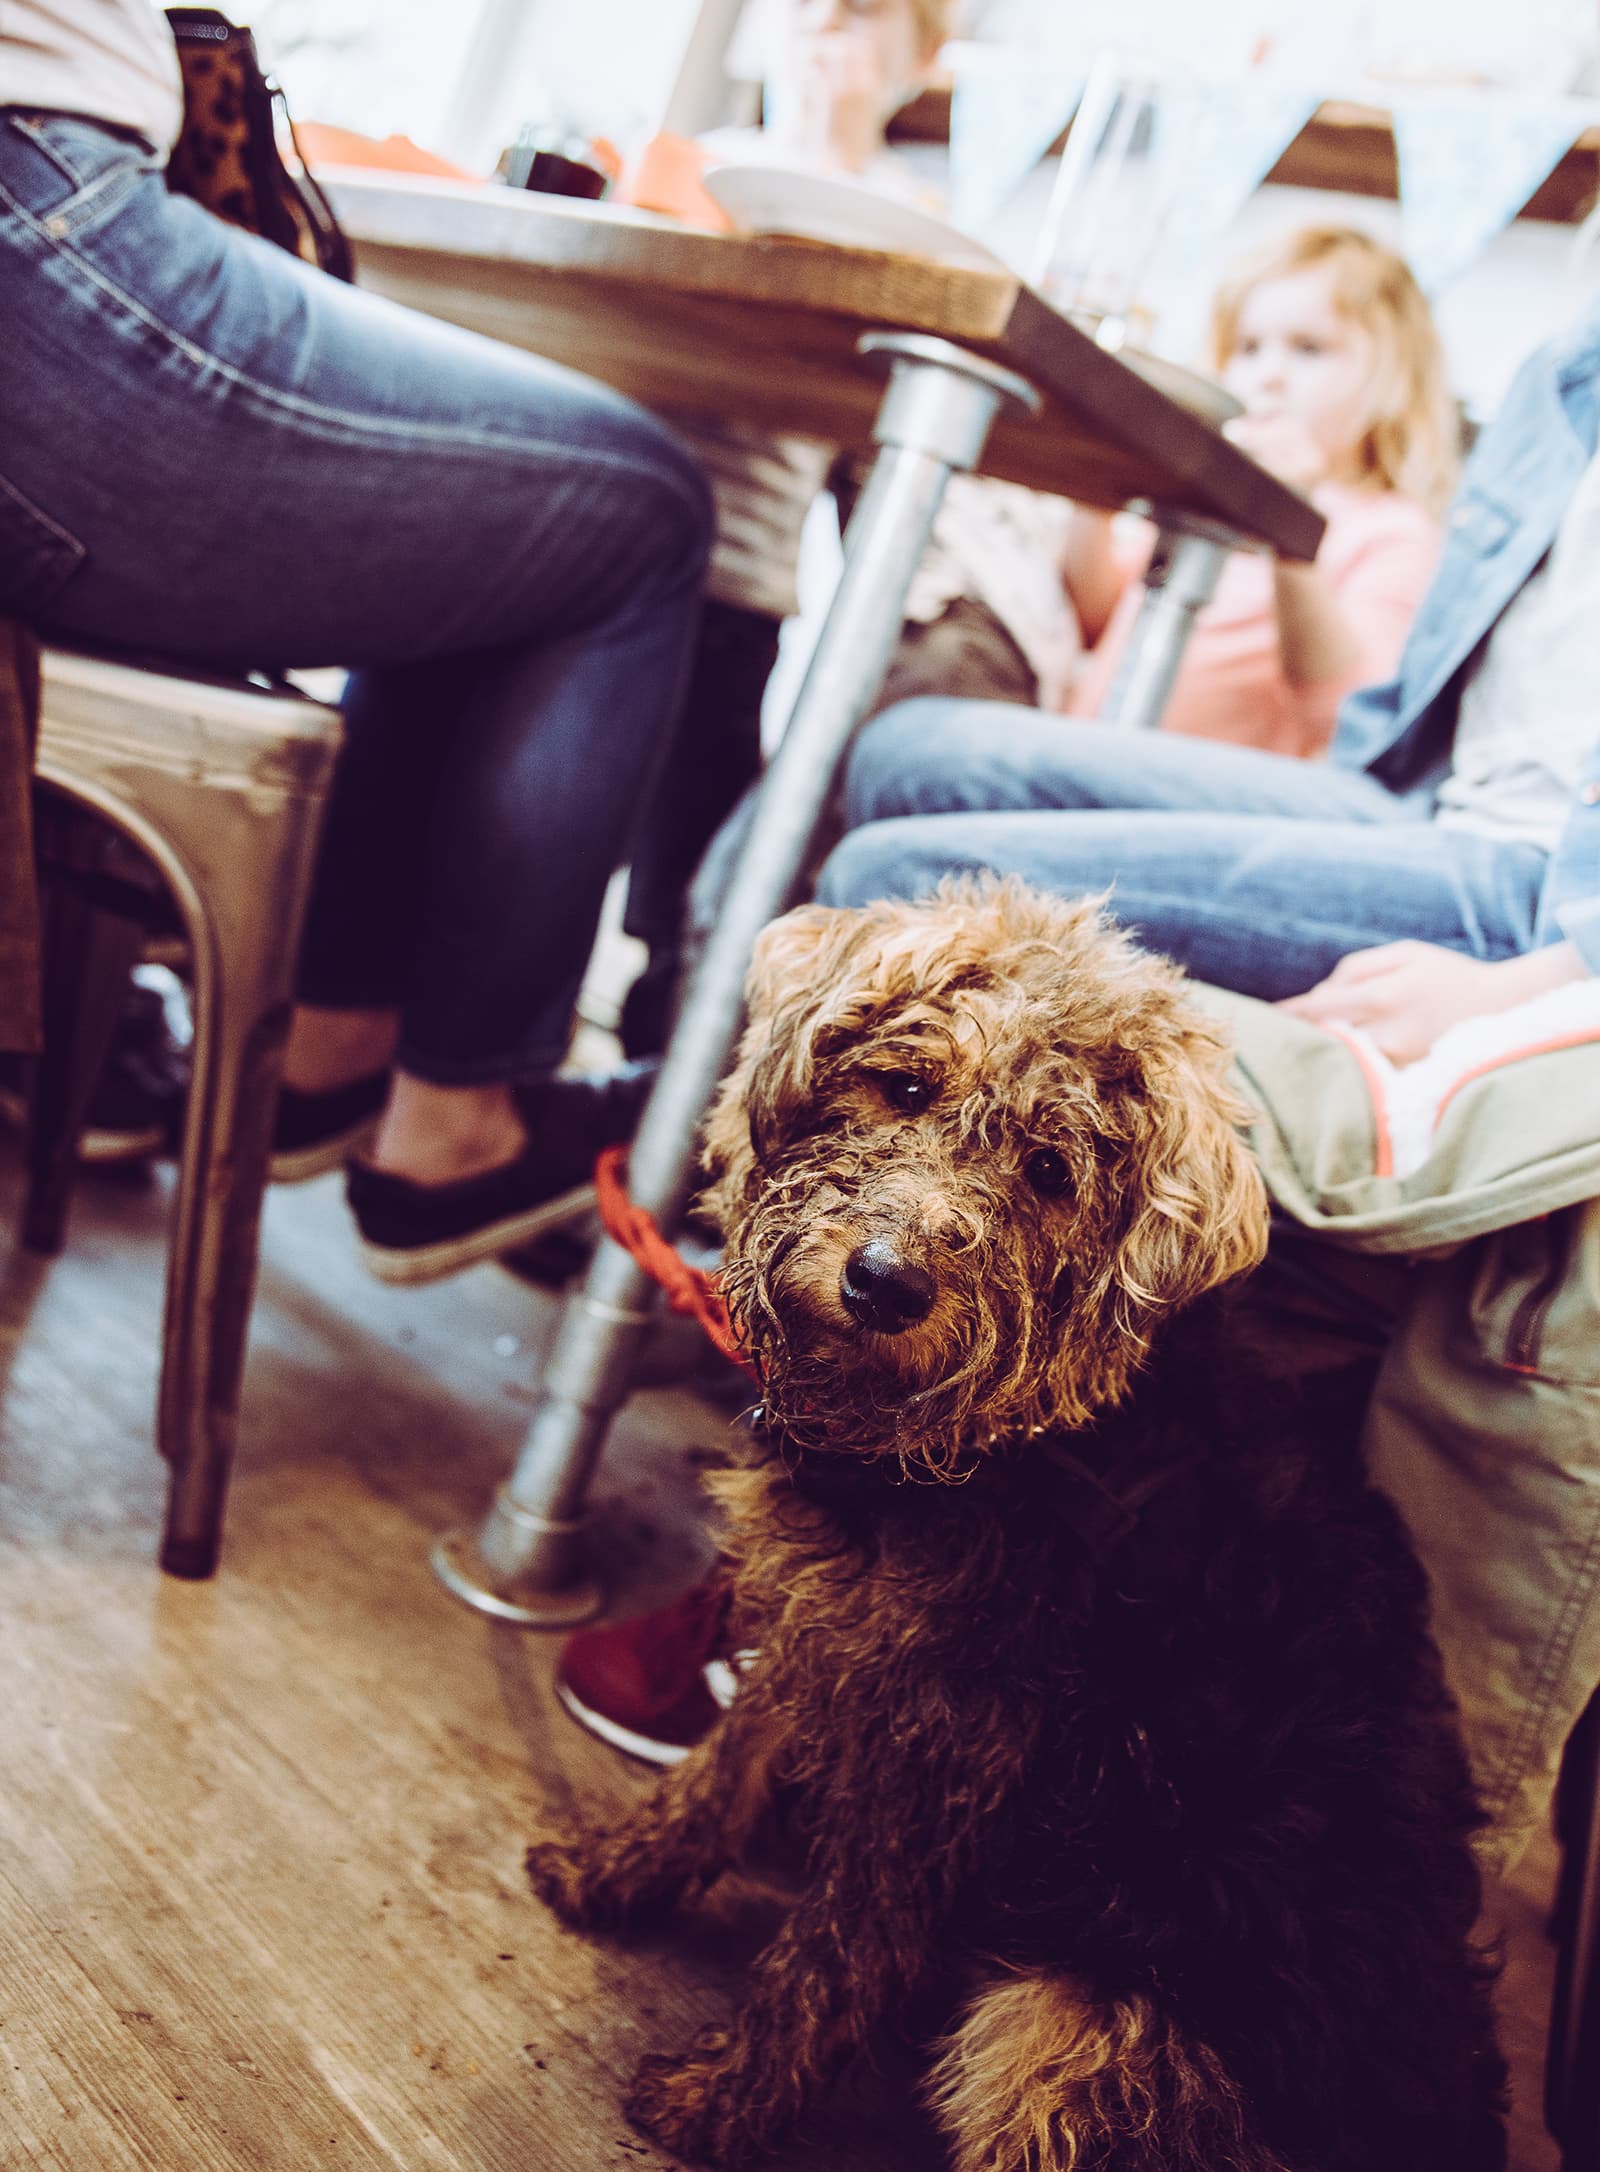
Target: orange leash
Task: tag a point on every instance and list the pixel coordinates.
(690, 1290)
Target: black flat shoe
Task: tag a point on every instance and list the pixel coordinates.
(420, 1232)
(136, 1107)
(317, 1132)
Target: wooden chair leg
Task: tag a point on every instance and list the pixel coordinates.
(1572, 2063)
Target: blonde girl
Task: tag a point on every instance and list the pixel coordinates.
(1327, 342)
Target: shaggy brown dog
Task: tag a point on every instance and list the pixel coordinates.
(1105, 1704)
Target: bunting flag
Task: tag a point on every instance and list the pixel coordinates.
(1468, 162)
(1221, 139)
(1007, 108)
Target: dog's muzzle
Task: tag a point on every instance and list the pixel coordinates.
(884, 1292)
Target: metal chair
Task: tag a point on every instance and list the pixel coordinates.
(221, 783)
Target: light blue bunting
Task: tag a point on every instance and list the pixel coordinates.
(1225, 136)
(1468, 162)
(1008, 107)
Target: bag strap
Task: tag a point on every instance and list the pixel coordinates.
(334, 252)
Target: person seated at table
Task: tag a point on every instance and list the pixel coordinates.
(987, 616)
(1443, 861)
(215, 453)
(1325, 338)
(1327, 341)
(1442, 864)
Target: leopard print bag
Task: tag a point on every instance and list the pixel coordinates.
(228, 154)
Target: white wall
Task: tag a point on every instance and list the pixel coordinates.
(606, 65)
(462, 80)
(381, 68)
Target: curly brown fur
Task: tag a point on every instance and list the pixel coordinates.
(1040, 2072)
(1035, 1033)
(1102, 1688)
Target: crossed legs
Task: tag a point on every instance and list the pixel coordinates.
(1255, 871)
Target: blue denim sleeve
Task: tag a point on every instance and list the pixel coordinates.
(1578, 922)
(1516, 486)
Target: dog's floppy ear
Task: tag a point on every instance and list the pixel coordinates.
(794, 959)
(1202, 1212)
(787, 950)
(774, 1062)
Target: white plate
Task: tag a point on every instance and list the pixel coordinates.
(827, 207)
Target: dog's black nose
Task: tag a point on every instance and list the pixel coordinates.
(884, 1291)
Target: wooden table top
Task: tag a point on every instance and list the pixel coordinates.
(763, 329)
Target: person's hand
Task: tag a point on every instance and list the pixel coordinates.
(1283, 446)
(1404, 995)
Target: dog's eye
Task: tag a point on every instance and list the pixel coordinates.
(1047, 1172)
(906, 1091)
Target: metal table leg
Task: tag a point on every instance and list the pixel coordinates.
(526, 1563)
(1185, 567)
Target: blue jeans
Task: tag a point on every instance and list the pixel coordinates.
(1254, 871)
(210, 451)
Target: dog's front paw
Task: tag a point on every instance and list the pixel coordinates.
(563, 1871)
(684, 2101)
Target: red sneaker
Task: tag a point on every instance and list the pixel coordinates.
(654, 1686)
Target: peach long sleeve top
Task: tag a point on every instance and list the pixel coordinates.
(1377, 556)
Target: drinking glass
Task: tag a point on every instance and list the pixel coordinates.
(1112, 198)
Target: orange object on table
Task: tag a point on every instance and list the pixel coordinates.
(604, 154)
(666, 176)
(321, 144)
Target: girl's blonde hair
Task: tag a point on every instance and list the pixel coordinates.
(1413, 437)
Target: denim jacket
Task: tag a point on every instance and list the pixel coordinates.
(1522, 472)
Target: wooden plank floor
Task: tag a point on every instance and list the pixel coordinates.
(261, 1897)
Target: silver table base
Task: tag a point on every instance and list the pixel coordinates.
(1181, 579)
(528, 1563)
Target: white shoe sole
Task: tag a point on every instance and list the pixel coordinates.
(96, 1146)
(300, 1164)
(105, 1149)
(644, 1747)
(404, 1265)
(722, 1676)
